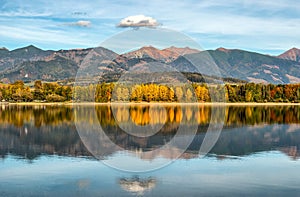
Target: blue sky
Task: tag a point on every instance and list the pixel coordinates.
(263, 26)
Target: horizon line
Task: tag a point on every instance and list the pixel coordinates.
(44, 49)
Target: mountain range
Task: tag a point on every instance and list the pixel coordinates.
(31, 63)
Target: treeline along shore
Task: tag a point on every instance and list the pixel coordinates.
(108, 92)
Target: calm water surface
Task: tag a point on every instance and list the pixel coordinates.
(257, 153)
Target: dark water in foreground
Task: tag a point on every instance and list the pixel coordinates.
(257, 152)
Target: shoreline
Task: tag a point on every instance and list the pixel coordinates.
(147, 103)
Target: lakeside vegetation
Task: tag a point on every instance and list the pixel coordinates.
(53, 92)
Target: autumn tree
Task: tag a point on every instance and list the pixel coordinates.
(38, 93)
(202, 93)
(179, 93)
(164, 93)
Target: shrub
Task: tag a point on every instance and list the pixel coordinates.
(55, 98)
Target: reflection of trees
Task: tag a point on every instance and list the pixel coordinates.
(252, 115)
(242, 115)
(142, 115)
(39, 115)
(29, 131)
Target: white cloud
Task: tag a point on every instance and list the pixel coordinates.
(80, 23)
(138, 21)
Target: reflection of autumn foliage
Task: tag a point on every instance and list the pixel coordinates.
(30, 131)
(242, 115)
(39, 115)
(144, 114)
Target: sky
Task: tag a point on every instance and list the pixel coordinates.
(269, 27)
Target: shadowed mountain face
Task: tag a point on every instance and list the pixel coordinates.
(256, 67)
(9, 59)
(30, 63)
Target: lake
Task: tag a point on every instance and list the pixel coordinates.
(145, 150)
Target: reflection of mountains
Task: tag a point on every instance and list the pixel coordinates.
(30, 142)
(29, 132)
